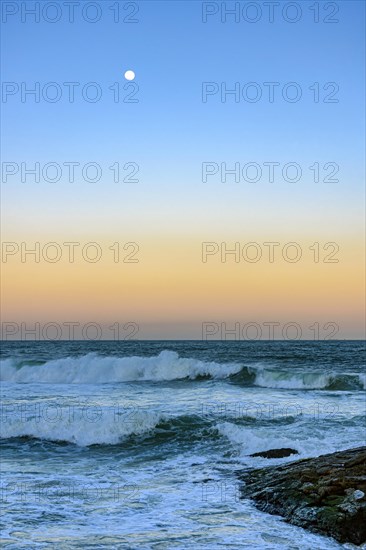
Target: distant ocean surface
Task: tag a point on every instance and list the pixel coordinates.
(137, 445)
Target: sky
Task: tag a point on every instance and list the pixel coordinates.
(294, 86)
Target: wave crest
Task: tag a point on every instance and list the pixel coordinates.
(96, 369)
(168, 366)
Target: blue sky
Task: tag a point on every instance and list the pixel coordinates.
(170, 132)
(172, 52)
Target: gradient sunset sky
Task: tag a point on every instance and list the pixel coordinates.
(169, 133)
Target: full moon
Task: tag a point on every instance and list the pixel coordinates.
(129, 75)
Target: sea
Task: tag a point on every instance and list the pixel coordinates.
(139, 444)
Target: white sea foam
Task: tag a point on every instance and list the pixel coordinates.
(7, 368)
(96, 369)
(81, 426)
(287, 380)
(362, 378)
(306, 442)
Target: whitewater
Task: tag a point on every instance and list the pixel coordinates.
(156, 433)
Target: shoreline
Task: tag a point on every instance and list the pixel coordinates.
(326, 494)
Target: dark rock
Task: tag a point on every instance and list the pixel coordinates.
(326, 494)
(276, 453)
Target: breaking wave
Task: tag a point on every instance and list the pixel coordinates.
(96, 369)
(168, 366)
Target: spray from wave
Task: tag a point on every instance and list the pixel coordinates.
(307, 443)
(264, 377)
(95, 369)
(168, 366)
(83, 426)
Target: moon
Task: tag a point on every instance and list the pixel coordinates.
(129, 75)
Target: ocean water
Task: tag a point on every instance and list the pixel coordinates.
(137, 445)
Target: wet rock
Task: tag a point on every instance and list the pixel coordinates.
(276, 453)
(326, 494)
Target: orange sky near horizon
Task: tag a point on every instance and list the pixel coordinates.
(171, 291)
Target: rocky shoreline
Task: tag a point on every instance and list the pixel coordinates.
(326, 495)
